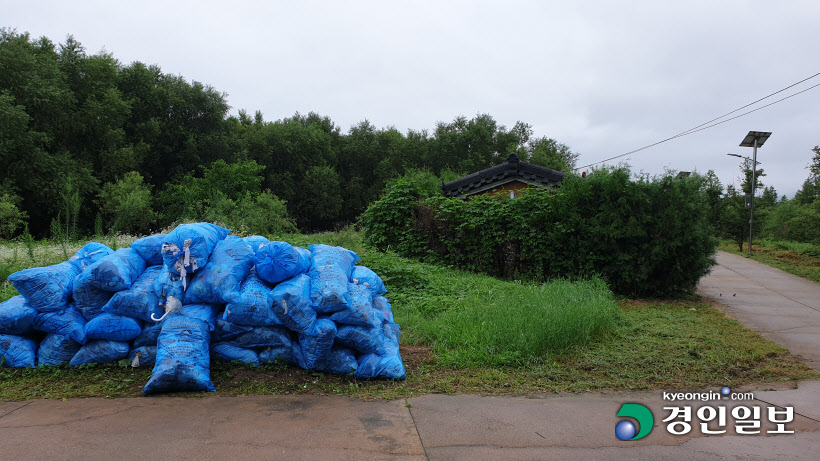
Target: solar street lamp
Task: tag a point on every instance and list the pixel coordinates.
(754, 139)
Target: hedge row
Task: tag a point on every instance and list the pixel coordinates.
(645, 237)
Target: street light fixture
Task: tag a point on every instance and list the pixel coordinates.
(754, 139)
(743, 156)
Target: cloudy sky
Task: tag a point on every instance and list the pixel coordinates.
(603, 77)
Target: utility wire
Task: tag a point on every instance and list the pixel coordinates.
(753, 103)
(753, 110)
(709, 124)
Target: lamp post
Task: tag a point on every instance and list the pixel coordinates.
(754, 139)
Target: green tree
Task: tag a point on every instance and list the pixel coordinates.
(126, 204)
(768, 199)
(810, 191)
(713, 192)
(734, 222)
(550, 153)
(12, 219)
(262, 214)
(746, 178)
(320, 203)
(192, 197)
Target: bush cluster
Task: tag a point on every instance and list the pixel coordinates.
(644, 237)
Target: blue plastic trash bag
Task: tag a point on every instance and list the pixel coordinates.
(364, 276)
(56, 350)
(143, 356)
(254, 304)
(376, 366)
(219, 281)
(68, 322)
(16, 351)
(360, 312)
(276, 354)
(89, 299)
(117, 271)
(188, 247)
(263, 337)
(256, 241)
(46, 289)
(183, 357)
(170, 285)
(330, 276)
(340, 361)
(381, 304)
(140, 301)
(16, 317)
(278, 261)
(228, 353)
(89, 254)
(392, 334)
(387, 364)
(366, 340)
(100, 351)
(204, 312)
(225, 331)
(316, 344)
(150, 248)
(290, 301)
(149, 335)
(113, 328)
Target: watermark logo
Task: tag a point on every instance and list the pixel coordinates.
(625, 430)
(708, 412)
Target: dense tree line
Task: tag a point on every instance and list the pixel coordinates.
(796, 220)
(89, 144)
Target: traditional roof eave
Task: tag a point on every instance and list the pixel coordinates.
(494, 185)
(512, 170)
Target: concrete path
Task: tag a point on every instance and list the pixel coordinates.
(782, 307)
(468, 427)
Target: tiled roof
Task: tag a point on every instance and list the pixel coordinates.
(513, 169)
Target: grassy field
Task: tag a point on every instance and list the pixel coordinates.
(468, 333)
(801, 259)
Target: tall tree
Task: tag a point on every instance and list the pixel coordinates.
(746, 177)
(550, 153)
(810, 191)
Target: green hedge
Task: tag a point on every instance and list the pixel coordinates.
(644, 237)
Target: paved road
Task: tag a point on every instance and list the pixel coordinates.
(469, 427)
(782, 307)
(434, 426)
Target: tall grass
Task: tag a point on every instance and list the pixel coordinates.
(797, 247)
(477, 320)
(522, 324)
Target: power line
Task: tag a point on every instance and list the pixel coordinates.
(709, 124)
(754, 110)
(753, 103)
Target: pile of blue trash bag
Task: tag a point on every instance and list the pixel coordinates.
(176, 301)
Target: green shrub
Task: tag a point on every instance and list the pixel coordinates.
(263, 214)
(221, 186)
(793, 221)
(644, 237)
(127, 205)
(12, 219)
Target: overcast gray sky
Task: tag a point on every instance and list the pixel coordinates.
(603, 77)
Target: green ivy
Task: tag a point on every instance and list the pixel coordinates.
(645, 237)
